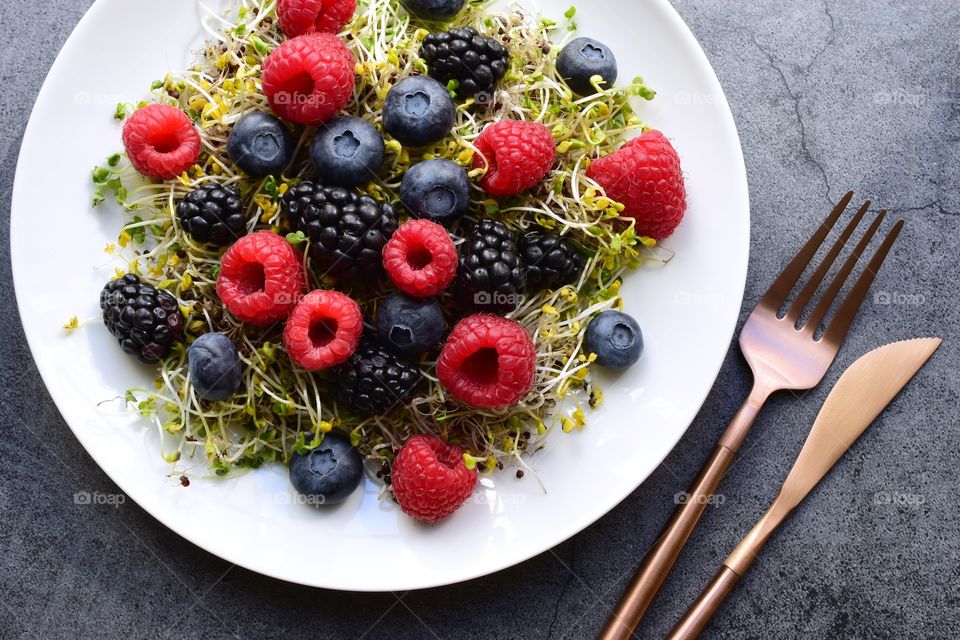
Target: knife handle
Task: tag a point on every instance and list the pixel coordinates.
(664, 553)
(701, 612)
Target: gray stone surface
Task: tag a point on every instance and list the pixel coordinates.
(859, 93)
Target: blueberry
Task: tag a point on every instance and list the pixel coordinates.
(214, 366)
(260, 145)
(409, 325)
(433, 9)
(347, 152)
(616, 339)
(584, 58)
(418, 111)
(438, 190)
(328, 474)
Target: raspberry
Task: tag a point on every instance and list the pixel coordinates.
(161, 141)
(261, 278)
(420, 258)
(298, 17)
(323, 330)
(487, 361)
(644, 176)
(517, 155)
(308, 79)
(430, 479)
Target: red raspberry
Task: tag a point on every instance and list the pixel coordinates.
(430, 479)
(298, 17)
(323, 330)
(420, 258)
(308, 79)
(517, 155)
(644, 176)
(261, 278)
(161, 141)
(487, 361)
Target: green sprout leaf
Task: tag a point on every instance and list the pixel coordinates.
(101, 175)
(259, 45)
(270, 187)
(136, 232)
(122, 111)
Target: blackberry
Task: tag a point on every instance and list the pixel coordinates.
(347, 231)
(145, 320)
(491, 276)
(476, 62)
(374, 380)
(551, 261)
(213, 213)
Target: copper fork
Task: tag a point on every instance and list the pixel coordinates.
(783, 352)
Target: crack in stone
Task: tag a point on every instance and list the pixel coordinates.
(795, 99)
(831, 36)
(934, 204)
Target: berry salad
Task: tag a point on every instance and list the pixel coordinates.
(382, 238)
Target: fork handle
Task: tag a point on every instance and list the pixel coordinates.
(701, 612)
(664, 553)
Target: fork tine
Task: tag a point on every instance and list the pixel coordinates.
(837, 330)
(811, 286)
(784, 283)
(816, 316)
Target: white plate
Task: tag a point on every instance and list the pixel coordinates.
(687, 310)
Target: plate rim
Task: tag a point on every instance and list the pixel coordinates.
(730, 131)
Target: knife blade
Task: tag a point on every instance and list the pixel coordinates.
(858, 397)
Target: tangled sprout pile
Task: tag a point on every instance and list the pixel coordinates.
(281, 408)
